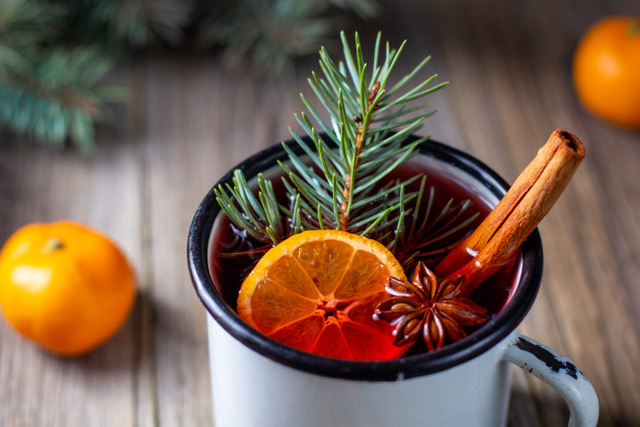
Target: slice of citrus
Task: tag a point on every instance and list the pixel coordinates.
(317, 291)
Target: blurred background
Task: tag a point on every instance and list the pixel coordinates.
(121, 114)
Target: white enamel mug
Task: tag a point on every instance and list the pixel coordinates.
(259, 382)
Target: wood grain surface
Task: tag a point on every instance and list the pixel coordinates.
(189, 119)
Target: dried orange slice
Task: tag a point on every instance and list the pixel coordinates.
(317, 291)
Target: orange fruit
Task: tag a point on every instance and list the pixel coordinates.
(317, 291)
(64, 286)
(606, 70)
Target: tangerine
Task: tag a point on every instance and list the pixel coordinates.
(317, 291)
(606, 70)
(64, 286)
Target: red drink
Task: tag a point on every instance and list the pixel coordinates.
(234, 254)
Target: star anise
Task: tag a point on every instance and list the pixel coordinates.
(436, 311)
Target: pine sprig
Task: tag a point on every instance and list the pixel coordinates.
(369, 149)
(49, 90)
(441, 230)
(59, 98)
(54, 55)
(33, 33)
(269, 34)
(133, 23)
(25, 26)
(339, 185)
(366, 9)
(259, 216)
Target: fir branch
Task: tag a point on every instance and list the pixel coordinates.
(258, 216)
(347, 193)
(366, 9)
(266, 32)
(59, 98)
(35, 33)
(440, 231)
(25, 26)
(134, 23)
(338, 186)
(379, 148)
(270, 34)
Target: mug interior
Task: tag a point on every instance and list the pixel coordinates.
(489, 186)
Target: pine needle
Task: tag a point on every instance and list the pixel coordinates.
(338, 184)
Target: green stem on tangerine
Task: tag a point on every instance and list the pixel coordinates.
(52, 245)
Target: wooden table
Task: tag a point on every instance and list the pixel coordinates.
(188, 119)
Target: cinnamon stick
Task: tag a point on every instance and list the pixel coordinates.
(503, 231)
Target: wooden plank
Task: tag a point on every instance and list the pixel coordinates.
(201, 121)
(510, 87)
(103, 192)
(189, 120)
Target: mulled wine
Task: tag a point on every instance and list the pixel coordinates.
(455, 202)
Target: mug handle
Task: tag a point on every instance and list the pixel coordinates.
(560, 373)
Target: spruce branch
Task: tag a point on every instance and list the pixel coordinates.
(270, 34)
(25, 26)
(368, 153)
(134, 23)
(441, 230)
(366, 9)
(259, 216)
(266, 32)
(59, 98)
(347, 157)
(50, 90)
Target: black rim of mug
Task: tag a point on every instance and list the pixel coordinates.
(478, 342)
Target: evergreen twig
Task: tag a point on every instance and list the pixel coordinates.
(36, 36)
(339, 186)
(270, 33)
(58, 98)
(116, 24)
(25, 26)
